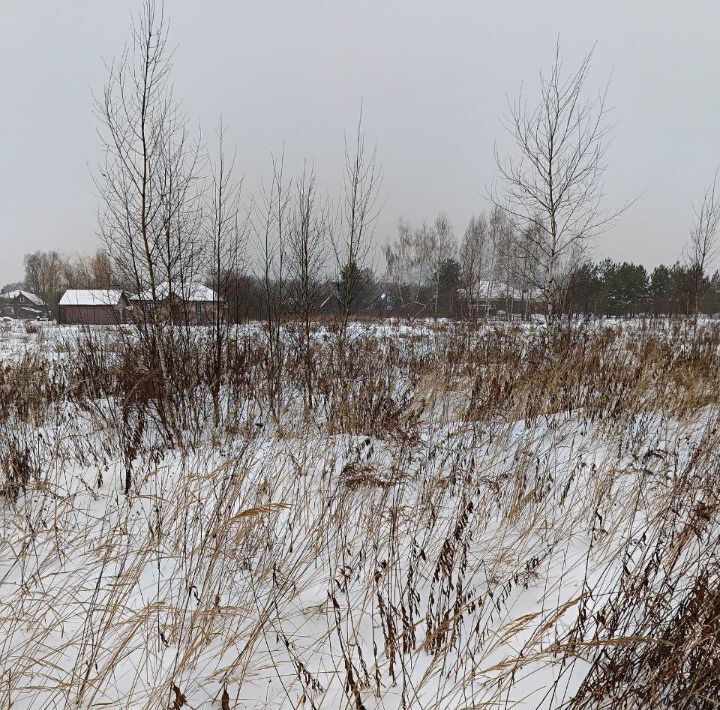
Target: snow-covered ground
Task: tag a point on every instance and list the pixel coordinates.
(443, 559)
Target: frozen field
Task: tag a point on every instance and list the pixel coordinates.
(454, 518)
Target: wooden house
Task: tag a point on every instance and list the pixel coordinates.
(23, 305)
(193, 304)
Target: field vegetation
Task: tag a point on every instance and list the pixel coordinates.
(459, 516)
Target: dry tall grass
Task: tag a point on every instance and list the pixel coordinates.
(464, 518)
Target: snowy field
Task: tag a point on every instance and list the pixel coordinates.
(460, 518)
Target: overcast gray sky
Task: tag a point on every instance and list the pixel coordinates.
(433, 76)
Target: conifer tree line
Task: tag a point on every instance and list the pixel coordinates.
(624, 289)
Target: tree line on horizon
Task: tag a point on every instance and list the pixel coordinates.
(604, 288)
(171, 213)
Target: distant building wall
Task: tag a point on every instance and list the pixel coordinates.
(202, 312)
(89, 315)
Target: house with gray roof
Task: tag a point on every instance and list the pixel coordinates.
(94, 307)
(23, 305)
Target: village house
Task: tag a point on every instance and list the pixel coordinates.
(23, 305)
(194, 304)
(94, 307)
(497, 299)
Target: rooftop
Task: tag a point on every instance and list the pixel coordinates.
(91, 297)
(193, 293)
(19, 292)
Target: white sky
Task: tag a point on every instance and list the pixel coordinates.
(433, 77)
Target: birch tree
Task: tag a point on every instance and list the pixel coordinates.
(555, 177)
(437, 245)
(406, 268)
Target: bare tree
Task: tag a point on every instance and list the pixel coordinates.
(505, 259)
(182, 256)
(306, 260)
(269, 225)
(436, 245)
(527, 265)
(498, 235)
(473, 254)
(101, 272)
(226, 241)
(76, 272)
(702, 247)
(556, 180)
(351, 236)
(147, 183)
(406, 268)
(88, 272)
(45, 275)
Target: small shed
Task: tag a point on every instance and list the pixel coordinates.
(23, 304)
(93, 307)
